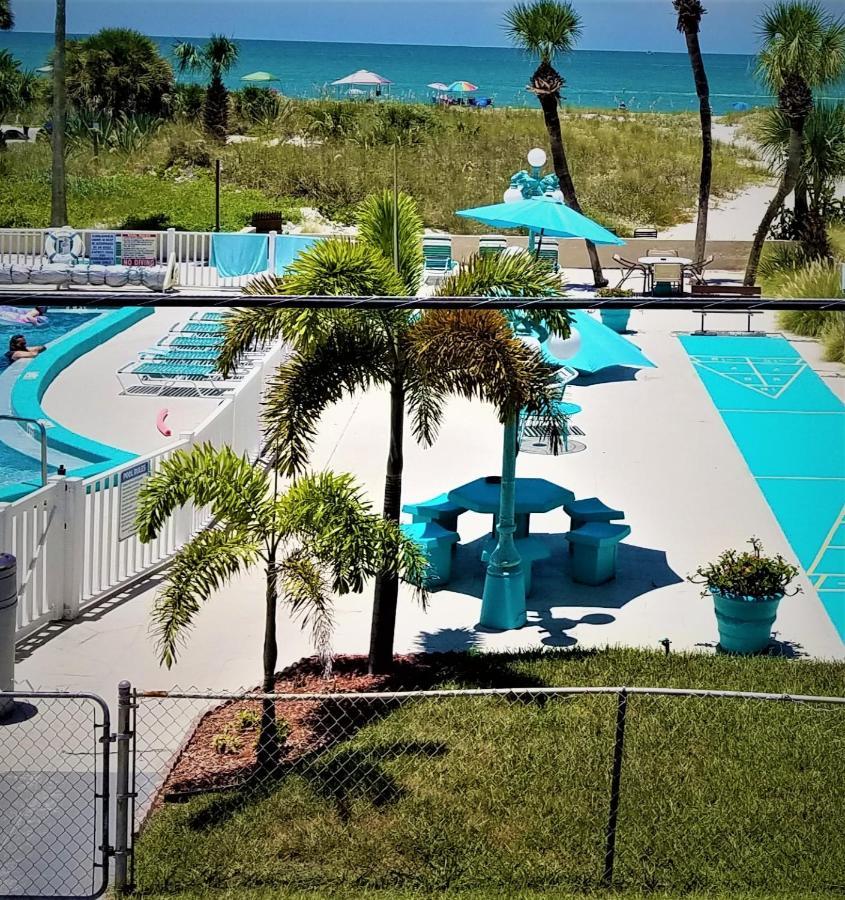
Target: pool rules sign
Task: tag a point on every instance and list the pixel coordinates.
(131, 482)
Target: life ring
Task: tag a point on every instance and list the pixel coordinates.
(64, 245)
(161, 422)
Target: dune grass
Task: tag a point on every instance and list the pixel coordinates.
(499, 797)
(630, 169)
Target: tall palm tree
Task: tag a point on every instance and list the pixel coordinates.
(803, 49)
(546, 29)
(7, 17)
(690, 13)
(822, 167)
(216, 56)
(58, 202)
(316, 539)
(420, 357)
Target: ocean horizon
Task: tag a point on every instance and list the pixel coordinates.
(644, 81)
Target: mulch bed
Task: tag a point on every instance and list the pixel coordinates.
(200, 767)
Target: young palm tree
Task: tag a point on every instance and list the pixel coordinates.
(58, 203)
(216, 57)
(316, 539)
(803, 49)
(421, 358)
(7, 17)
(690, 13)
(822, 167)
(545, 29)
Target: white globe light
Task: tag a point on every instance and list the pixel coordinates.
(564, 348)
(513, 195)
(557, 195)
(537, 157)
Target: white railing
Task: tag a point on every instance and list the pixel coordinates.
(66, 536)
(192, 251)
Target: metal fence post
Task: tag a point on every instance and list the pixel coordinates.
(123, 796)
(615, 782)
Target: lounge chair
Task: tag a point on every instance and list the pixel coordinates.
(158, 375)
(199, 328)
(203, 355)
(194, 341)
(628, 268)
(547, 253)
(491, 246)
(210, 316)
(437, 253)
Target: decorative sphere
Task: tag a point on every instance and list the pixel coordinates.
(513, 195)
(564, 348)
(557, 196)
(537, 157)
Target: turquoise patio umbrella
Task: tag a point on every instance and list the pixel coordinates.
(258, 77)
(546, 215)
(601, 347)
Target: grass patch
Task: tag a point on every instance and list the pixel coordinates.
(351, 893)
(498, 797)
(630, 168)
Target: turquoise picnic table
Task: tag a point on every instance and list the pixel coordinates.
(533, 495)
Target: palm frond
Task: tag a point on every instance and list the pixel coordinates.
(511, 275)
(375, 222)
(221, 53)
(352, 357)
(201, 567)
(236, 490)
(189, 57)
(690, 13)
(543, 28)
(304, 589)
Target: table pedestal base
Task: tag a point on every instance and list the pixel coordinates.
(503, 602)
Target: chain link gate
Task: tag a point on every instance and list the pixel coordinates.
(54, 795)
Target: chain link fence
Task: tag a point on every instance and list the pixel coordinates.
(531, 788)
(54, 785)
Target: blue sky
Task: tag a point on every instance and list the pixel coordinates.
(608, 24)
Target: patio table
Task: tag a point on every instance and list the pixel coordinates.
(533, 495)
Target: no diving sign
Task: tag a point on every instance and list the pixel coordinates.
(131, 482)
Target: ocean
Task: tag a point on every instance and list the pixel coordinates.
(659, 82)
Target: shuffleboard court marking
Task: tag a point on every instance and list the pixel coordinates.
(794, 450)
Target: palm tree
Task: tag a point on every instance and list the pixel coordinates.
(7, 18)
(545, 29)
(316, 539)
(690, 13)
(421, 358)
(58, 202)
(803, 49)
(822, 166)
(216, 57)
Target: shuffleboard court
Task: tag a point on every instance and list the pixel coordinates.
(790, 428)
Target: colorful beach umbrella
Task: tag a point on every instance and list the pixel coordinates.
(462, 87)
(546, 215)
(259, 76)
(363, 76)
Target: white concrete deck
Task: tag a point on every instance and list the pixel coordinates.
(656, 447)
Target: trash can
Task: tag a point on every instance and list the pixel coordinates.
(8, 613)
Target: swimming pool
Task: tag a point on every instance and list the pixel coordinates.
(790, 428)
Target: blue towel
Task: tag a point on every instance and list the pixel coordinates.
(239, 254)
(288, 247)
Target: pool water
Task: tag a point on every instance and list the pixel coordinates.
(15, 466)
(790, 428)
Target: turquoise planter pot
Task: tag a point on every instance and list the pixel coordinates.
(745, 626)
(615, 319)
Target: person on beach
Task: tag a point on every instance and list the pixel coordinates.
(19, 350)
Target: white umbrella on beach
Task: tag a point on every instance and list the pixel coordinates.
(364, 77)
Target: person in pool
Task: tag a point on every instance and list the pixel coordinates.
(37, 315)
(19, 350)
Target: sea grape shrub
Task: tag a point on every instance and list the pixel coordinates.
(747, 574)
(183, 154)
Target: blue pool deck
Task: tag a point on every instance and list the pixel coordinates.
(790, 428)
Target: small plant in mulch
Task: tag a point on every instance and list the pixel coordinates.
(226, 742)
(248, 720)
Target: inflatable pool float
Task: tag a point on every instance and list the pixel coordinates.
(20, 316)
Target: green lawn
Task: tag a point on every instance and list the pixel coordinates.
(349, 893)
(482, 797)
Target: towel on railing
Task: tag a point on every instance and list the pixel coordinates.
(288, 247)
(239, 254)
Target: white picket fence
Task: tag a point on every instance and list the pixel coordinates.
(192, 250)
(66, 536)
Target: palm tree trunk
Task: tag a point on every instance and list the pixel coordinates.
(552, 119)
(267, 751)
(802, 206)
(702, 88)
(58, 206)
(387, 584)
(787, 185)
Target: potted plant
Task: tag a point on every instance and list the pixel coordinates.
(616, 319)
(746, 588)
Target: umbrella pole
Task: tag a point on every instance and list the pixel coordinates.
(537, 244)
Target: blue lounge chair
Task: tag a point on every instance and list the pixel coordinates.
(594, 551)
(200, 328)
(438, 544)
(172, 354)
(491, 246)
(210, 316)
(438, 262)
(193, 341)
(547, 254)
(440, 510)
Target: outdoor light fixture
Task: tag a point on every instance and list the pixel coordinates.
(537, 158)
(564, 348)
(513, 194)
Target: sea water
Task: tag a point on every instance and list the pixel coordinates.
(660, 82)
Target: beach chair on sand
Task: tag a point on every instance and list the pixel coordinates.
(547, 254)
(628, 268)
(437, 256)
(491, 246)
